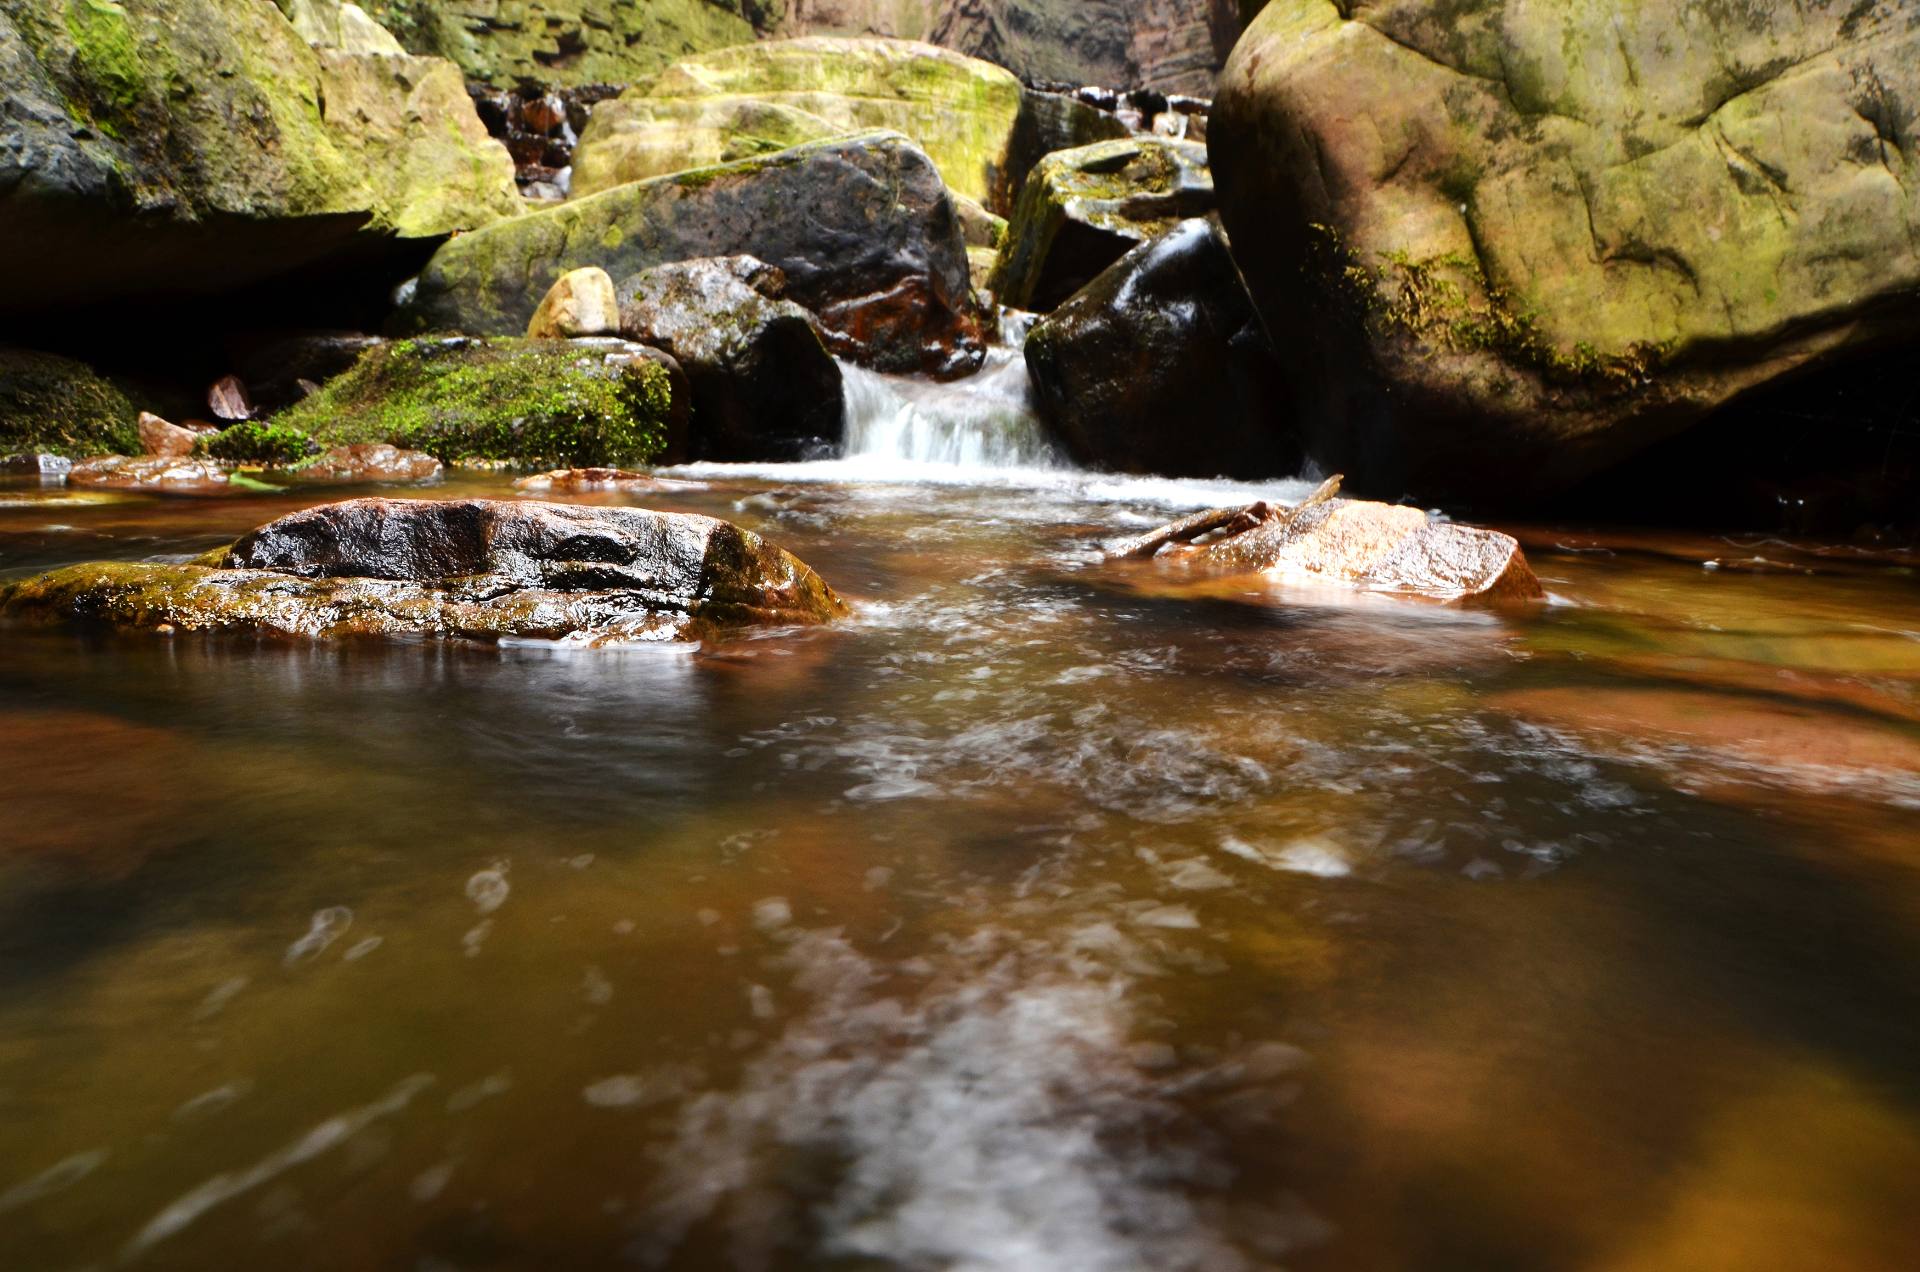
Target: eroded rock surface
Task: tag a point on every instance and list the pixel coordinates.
(1506, 244)
(464, 568)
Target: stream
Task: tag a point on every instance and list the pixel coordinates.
(1036, 917)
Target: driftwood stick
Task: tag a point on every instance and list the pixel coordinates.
(1232, 520)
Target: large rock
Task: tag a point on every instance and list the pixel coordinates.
(634, 138)
(1160, 366)
(151, 475)
(165, 146)
(764, 385)
(363, 463)
(861, 226)
(1506, 244)
(467, 568)
(531, 403)
(59, 406)
(1081, 210)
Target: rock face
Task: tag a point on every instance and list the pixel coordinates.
(469, 568)
(960, 110)
(1348, 543)
(1082, 210)
(1160, 366)
(1172, 45)
(1502, 241)
(582, 303)
(861, 226)
(58, 406)
(533, 403)
(165, 146)
(764, 385)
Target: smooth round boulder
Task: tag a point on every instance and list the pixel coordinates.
(580, 303)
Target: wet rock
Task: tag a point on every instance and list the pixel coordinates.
(862, 227)
(764, 385)
(469, 568)
(192, 146)
(163, 438)
(363, 462)
(1501, 256)
(535, 403)
(1051, 122)
(582, 481)
(36, 464)
(228, 399)
(1159, 366)
(282, 369)
(157, 475)
(582, 303)
(1082, 210)
(957, 109)
(62, 407)
(1347, 543)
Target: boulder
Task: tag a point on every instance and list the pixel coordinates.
(191, 146)
(165, 439)
(764, 385)
(1504, 245)
(156, 475)
(861, 226)
(960, 111)
(479, 569)
(582, 303)
(363, 462)
(533, 403)
(47, 467)
(1160, 366)
(634, 138)
(979, 227)
(1082, 210)
(1347, 543)
(62, 407)
(283, 367)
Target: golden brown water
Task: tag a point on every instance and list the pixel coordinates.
(1031, 920)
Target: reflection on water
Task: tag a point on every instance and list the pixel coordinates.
(1037, 917)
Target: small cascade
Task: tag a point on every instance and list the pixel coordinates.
(984, 421)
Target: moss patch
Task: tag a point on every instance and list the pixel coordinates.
(57, 405)
(254, 442)
(539, 404)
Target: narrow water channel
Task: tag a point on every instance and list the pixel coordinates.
(1036, 917)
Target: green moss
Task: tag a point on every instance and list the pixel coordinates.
(539, 404)
(108, 58)
(57, 405)
(254, 442)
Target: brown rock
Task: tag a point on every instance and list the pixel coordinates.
(364, 462)
(159, 437)
(158, 475)
(228, 399)
(577, 481)
(581, 303)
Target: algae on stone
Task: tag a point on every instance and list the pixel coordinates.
(54, 405)
(530, 403)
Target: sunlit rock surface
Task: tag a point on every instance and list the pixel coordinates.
(1503, 239)
(465, 568)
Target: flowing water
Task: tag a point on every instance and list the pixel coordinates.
(1038, 917)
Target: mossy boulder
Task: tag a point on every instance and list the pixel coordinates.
(764, 386)
(861, 226)
(713, 107)
(529, 403)
(259, 442)
(57, 406)
(168, 146)
(473, 569)
(1160, 366)
(1504, 245)
(1083, 209)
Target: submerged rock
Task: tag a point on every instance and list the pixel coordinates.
(582, 303)
(535, 403)
(157, 475)
(958, 109)
(1082, 210)
(467, 568)
(1160, 366)
(1348, 543)
(62, 407)
(1505, 247)
(764, 385)
(862, 227)
(580, 481)
(362, 462)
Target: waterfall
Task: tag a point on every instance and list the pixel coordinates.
(984, 421)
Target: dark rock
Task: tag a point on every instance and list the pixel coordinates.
(1160, 366)
(470, 568)
(764, 385)
(276, 369)
(1048, 123)
(1084, 209)
(862, 227)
